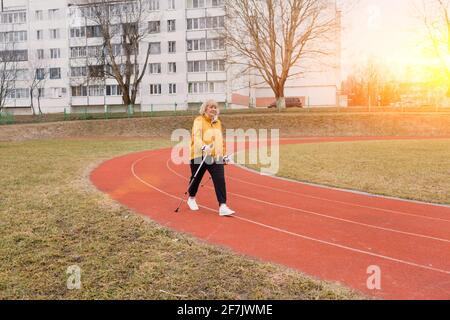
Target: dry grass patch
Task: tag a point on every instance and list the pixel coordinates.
(410, 169)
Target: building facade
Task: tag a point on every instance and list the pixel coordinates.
(58, 45)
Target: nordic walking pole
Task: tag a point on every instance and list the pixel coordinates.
(193, 179)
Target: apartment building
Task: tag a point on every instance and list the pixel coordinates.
(59, 43)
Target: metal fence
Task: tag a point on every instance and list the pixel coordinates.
(6, 118)
(160, 110)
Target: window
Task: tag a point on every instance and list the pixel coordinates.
(54, 34)
(14, 17)
(172, 67)
(78, 71)
(155, 89)
(22, 74)
(215, 65)
(172, 88)
(40, 74)
(192, 4)
(210, 66)
(115, 9)
(93, 31)
(13, 36)
(215, 44)
(22, 93)
(22, 17)
(40, 54)
(21, 55)
(122, 67)
(154, 68)
(153, 5)
(116, 50)
(172, 46)
(196, 66)
(217, 3)
(215, 22)
(206, 44)
(40, 34)
(205, 23)
(113, 90)
(79, 32)
(96, 90)
(171, 25)
(171, 4)
(55, 73)
(78, 52)
(55, 53)
(154, 27)
(53, 14)
(57, 92)
(206, 87)
(97, 71)
(79, 91)
(94, 51)
(14, 55)
(18, 93)
(39, 14)
(155, 47)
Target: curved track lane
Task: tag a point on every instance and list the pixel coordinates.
(328, 233)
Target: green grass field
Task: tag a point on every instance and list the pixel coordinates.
(410, 169)
(52, 218)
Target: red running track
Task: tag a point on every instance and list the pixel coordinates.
(330, 234)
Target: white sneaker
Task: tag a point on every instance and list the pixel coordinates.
(192, 204)
(225, 211)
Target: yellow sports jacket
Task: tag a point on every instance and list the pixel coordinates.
(205, 132)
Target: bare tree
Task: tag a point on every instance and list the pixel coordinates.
(123, 27)
(278, 38)
(8, 74)
(38, 74)
(435, 15)
(370, 83)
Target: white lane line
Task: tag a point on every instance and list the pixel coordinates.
(133, 171)
(373, 195)
(336, 201)
(320, 214)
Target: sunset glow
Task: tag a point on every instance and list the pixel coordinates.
(391, 32)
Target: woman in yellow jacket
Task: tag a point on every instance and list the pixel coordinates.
(207, 140)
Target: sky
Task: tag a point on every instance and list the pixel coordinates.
(385, 30)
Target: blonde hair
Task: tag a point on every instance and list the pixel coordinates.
(206, 104)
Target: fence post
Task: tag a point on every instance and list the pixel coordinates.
(130, 110)
(151, 110)
(175, 108)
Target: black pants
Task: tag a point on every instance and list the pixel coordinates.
(217, 172)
